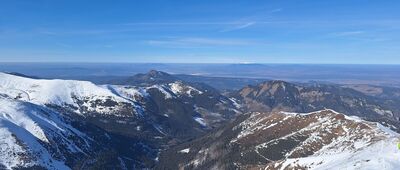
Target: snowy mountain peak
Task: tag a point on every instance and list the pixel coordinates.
(155, 73)
(83, 96)
(153, 77)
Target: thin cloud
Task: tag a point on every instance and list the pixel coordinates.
(239, 27)
(250, 21)
(348, 33)
(63, 45)
(276, 10)
(198, 42)
(232, 25)
(176, 23)
(48, 33)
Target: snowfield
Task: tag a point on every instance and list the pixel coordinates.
(371, 148)
(175, 89)
(380, 155)
(178, 88)
(57, 92)
(78, 94)
(28, 130)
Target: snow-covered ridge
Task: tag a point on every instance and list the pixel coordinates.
(164, 90)
(50, 91)
(353, 118)
(333, 140)
(176, 89)
(261, 121)
(179, 88)
(129, 92)
(61, 93)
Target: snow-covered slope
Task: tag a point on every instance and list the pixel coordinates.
(355, 144)
(318, 140)
(33, 136)
(49, 91)
(81, 96)
(378, 155)
(176, 89)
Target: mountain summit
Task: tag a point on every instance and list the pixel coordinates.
(150, 78)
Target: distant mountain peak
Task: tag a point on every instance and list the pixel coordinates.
(156, 73)
(154, 76)
(269, 88)
(276, 82)
(150, 78)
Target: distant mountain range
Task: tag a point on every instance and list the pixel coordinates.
(159, 120)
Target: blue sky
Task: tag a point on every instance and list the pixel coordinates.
(201, 31)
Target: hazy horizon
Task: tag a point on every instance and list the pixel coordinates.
(335, 73)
